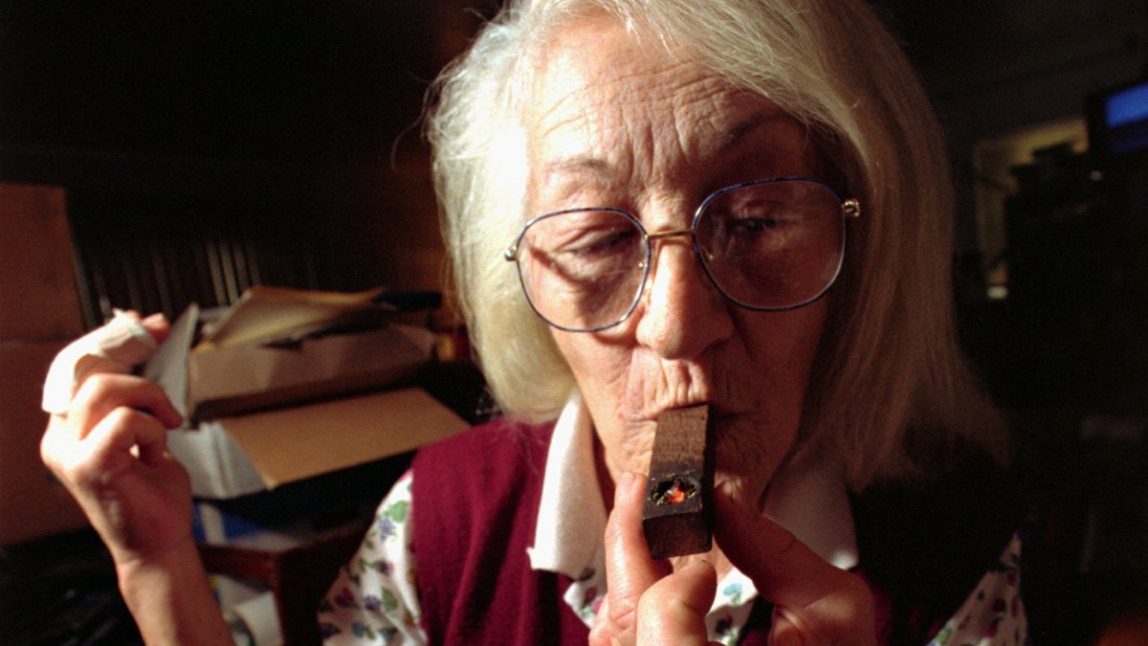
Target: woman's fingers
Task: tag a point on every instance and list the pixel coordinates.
(114, 425)
(113, 421)
(106, 441)
(630, 569)
(673, 610)
(108, 450)
(783, 569)
(103, 393)
(125, 435)
(814, 602)
(812, 598)
(646, 602)
(129, 340)
(116, 347)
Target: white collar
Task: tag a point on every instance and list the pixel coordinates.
(810, 502)
(571, 515)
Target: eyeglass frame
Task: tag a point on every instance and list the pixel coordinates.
(850, 210)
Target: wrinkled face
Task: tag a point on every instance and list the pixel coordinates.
(618, 125)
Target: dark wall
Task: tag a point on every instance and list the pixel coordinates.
(222, 144)
(1065, 353)
(252, 81)
(1076, 223)
(994, 67)
(275, 116)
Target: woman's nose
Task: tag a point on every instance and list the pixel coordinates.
(681, 313)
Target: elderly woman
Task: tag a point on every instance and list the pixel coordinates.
(653, 204)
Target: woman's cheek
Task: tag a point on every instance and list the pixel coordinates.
(627, 440)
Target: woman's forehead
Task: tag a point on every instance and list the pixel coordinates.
(604, 104)
(595, 74)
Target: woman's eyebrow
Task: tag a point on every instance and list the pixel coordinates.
(590, 167)
(741, 130)
(579, 163)
(585, 167)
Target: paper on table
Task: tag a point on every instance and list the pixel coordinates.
(268, 314)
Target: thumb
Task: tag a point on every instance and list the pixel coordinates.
(673, 610)
(784, 570)
(157, 325)
(814, 602)
(115, 347)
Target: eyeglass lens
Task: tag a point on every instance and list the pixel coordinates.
(768, 245)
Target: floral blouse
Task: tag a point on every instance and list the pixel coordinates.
(375, 600)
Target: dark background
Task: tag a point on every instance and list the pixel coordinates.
(259, 120)
(212, 146)
(274, 142)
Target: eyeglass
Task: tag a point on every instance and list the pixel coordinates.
(768, 245)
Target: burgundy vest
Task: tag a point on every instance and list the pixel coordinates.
(475, 502)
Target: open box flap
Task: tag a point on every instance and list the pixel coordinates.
(246, 377)
(290, 444)
(241, 455)
(271, 314)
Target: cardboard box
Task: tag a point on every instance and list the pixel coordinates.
(291, 429)
(235, 456)
(32, 502)
(255, 376)
(285, 347)
(39, 299)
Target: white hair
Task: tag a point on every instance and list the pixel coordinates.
(890, 391)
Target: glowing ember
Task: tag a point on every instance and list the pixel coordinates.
(674, 491)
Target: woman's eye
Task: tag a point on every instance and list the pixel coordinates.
(602, 243)
(757, 225)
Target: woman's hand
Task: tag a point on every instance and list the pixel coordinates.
(106, 441)
(814, 602)
(647, 602)
(108, 447)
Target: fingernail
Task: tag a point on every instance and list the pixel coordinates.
(700, 568)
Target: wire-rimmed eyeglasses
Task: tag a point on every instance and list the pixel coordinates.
(769, 245)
